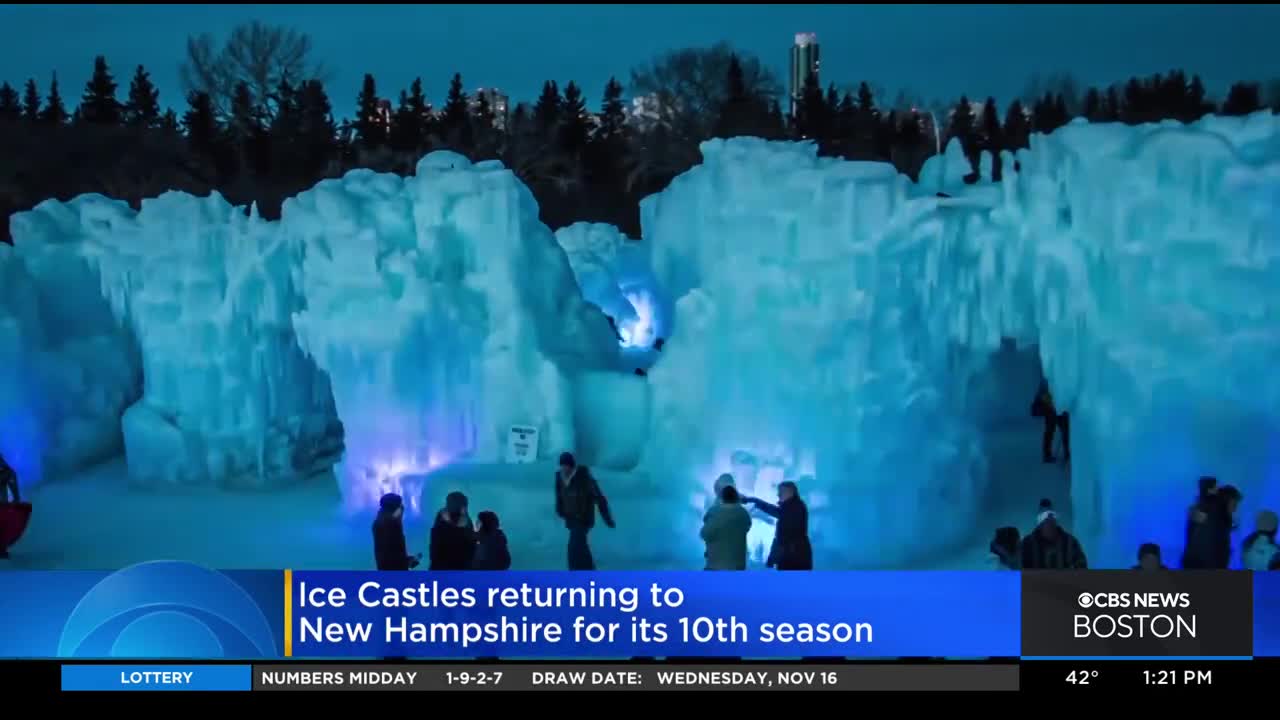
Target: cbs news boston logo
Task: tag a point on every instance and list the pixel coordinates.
(1135, 614)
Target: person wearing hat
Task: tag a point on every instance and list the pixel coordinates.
(1149, 558)
(1209, 537)
(578, 496)
(453, 537)
(389, 551)
(1259, 548)
(791, 549)
(725, 528)
(1049, 546)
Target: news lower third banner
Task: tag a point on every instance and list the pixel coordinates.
(172, 610)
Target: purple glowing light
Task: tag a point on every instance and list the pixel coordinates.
(401, 473)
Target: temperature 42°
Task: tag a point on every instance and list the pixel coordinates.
(1082, 677)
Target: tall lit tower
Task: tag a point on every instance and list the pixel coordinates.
(804, 60)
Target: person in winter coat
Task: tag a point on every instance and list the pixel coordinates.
(1207, 486)
(453, 538)
(724, 530)
(492, 552)
(1209, 538)
(1149, 558)
(389, 551)
(791, 549)
(1004, 549)
(578, 496)
(1259, 548)
(1050, 547)
(1043, 407)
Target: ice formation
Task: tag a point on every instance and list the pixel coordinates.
(69, 370)
(444, 312)
(830, 317)
(826, 321)
(613, 273)
(202, 290)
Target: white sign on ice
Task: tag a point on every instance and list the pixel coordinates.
(522, 444)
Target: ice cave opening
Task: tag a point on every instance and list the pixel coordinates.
(997, 400)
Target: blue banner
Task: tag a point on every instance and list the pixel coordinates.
(1266, 614)
(627, 614)
(157, 610)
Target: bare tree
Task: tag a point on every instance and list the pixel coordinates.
(691, 85)
(260, 56)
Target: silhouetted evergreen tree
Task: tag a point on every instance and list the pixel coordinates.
(962, 127)
(55, 112)
(31, 102)
(866, 126)
(1093, 105)
(10, 104)
(546, 112)
(200, 122)
(317, 133)
(574, 127)
(1017, 127)
(169, 122)
(613, 114)
(285, 130)
(742, 112)
(1242, 99)
(455, 118)
(1197, 104)
(991, 136)
(247, 134)
(368, 124)
(98, 105)
(406, 130)
(143, 106)
(885, 135)
(1113, 106)
(1137, 107)
(813, 117)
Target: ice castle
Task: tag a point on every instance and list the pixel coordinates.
(824, 321)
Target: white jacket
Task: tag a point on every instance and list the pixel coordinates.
(1258, 555)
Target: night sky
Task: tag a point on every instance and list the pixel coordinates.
(932, 52)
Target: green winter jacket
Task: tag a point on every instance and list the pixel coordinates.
(724, 529)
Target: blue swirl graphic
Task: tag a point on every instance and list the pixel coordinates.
(166, 609)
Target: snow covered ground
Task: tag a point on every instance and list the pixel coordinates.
(97, 521)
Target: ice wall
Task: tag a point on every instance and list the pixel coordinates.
(829, 316)
(205, 292)
(445, 312)
(613, 272)
(69, 369)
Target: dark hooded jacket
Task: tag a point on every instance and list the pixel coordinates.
(791, 549)
(388, 542)
(453, 542)
(577, 501)
(1063, 552)
(1209, 535)
(492, 552)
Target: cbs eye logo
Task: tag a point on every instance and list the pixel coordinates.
(167, 609)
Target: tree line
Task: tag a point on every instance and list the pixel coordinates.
(258, 126)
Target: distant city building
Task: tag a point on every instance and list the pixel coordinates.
(498, 105)
(804, 60)
(646, 111)
(384, 113)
